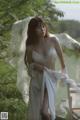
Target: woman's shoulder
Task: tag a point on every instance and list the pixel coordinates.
(53, 40)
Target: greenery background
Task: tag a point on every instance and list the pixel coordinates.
(10, 11)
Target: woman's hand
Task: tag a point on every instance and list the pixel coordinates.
(65, 73)
(64, 77)
(38, 67)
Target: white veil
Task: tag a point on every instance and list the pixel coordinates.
(17, 50)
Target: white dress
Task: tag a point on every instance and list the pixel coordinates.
(49, 79)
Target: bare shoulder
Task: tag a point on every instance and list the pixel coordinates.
(54, 40)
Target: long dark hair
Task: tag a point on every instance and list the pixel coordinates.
(33, 37)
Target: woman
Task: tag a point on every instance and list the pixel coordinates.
(40, 56)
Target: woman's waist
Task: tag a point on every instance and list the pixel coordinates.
(50, 67)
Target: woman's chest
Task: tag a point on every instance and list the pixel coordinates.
(44, 55)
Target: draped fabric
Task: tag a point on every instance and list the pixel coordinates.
(48, 78)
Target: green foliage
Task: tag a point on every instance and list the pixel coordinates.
(15, 107)
(10, 99)
(12, 10)
(12, 105)
(71, 27)
(71, 52)
(9, 91)
(7, 73)
(18, 9)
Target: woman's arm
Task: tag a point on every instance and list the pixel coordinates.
(38, 66)
(60, 55)
(59, 52)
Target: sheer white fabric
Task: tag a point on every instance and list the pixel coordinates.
(50, 79)
(17, 52)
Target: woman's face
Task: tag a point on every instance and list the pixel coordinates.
(41, 30)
